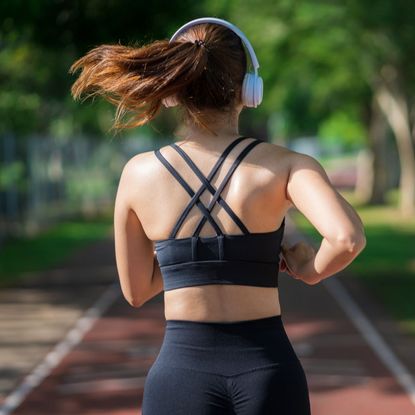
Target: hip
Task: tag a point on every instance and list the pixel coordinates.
(227, 348)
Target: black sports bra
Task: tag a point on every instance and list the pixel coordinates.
(243, 259)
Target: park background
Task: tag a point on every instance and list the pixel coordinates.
(339, 84)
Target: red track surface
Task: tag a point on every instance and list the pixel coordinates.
(105, 373)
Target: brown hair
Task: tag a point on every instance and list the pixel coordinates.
(200, 76)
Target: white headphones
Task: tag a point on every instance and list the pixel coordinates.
(252, 87)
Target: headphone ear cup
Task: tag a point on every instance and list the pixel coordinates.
(245, 90)
(252, 90)
(259, 90)
(169, 101)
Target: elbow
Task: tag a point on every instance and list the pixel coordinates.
(352, 243)
(135, 303)
(362, 243)
(129, 296)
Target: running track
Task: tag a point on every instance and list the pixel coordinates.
(99, 368)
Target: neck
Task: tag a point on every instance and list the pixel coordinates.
(226, 127)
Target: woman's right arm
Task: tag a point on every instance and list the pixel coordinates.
(311, 192)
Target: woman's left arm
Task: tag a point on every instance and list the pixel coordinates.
(137, 265)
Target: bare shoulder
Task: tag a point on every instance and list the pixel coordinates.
(136, 178)
(280, 154)
(301, 162)
(275, 149)
(137, 173)
(293, 156)
(138, 165)
(291, 159)
(140, 158)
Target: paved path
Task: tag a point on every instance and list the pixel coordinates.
(100, 368)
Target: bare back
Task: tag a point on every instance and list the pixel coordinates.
(256, 193)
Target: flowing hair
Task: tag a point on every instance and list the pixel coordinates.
(137, 78)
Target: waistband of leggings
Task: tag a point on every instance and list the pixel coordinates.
(265, 322)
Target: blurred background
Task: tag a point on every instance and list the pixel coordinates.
(339, 84)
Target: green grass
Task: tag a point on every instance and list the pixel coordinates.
(49, 248)
(387, 264)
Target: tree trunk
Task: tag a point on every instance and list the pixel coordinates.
(395, 110)
(371, 184)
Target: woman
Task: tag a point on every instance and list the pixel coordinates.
(213, 205)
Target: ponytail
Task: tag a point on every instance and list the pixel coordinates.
(137, 79)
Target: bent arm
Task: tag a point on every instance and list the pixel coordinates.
(311, 192)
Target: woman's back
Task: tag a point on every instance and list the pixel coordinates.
(255, 193)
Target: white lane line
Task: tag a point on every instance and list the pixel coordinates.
(371, 335)
(55, 356)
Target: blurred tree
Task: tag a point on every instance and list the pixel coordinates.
(389, 35)
(318, 59)
(322, 58)
(40, 39)
(344, 127)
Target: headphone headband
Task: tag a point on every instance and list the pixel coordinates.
(229, 25)
(252, 85)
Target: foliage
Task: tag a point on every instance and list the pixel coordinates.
(39, 40)
(344, 127)
(318, 59)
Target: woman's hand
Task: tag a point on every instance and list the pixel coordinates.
(297, 261)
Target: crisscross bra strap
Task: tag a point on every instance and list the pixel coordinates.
(188, 189)
(195, 196)
(207, 185)
(225, 180)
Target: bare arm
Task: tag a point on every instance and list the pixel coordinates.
(156, 285)
(310, 191)
(137, 266)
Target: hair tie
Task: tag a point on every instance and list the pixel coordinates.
(200, 42)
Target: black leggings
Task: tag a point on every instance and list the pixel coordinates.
(209, 368)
